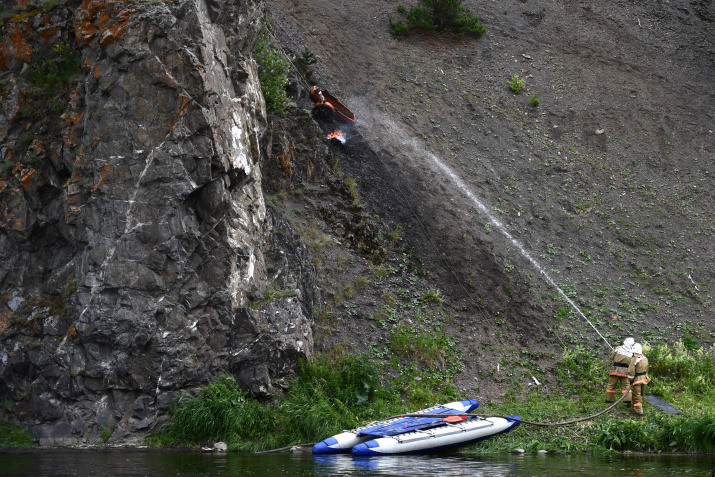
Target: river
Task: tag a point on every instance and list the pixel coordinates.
(159, 464)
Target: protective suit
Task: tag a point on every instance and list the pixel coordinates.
(638, 374)
(618, 372)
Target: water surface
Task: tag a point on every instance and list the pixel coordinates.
(164, 464)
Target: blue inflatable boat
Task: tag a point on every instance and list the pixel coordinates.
(411, 435)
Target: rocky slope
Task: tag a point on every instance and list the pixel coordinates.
(607, 184)
(134, 227)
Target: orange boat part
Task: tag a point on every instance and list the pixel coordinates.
(326, 103)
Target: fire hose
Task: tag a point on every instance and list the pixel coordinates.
(522, 421)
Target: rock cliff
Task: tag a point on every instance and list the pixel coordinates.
(133, 226)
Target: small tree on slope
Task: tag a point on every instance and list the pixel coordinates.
(439, 16)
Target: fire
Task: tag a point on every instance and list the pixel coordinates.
(339, 135)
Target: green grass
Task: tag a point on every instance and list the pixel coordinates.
(683, 377)
(329, 396)
(326, 398)
(415, 344)
(13, 435)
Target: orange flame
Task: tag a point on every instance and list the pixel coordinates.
(339, 135)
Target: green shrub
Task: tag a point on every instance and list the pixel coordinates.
(516, 83)
(437, 15)
(273, 70)
(534, 101)
(658, 431)
(326, 397)
(221, 411)
(427, 347)
(692, 370)
(579, 365)
(625, 434)
(13, 435)
(432, 296)
(62, 67)
(306, 60)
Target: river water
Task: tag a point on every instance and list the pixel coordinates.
(160, 464)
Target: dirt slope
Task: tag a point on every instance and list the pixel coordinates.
(607, 184)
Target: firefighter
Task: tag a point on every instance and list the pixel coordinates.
(638, 374)
(618, 373)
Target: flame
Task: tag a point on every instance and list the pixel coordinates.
(339, 135)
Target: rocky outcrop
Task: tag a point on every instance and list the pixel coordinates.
(133, 235)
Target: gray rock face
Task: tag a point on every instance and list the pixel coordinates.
(137, 249)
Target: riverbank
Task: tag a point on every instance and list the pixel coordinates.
(329, 396)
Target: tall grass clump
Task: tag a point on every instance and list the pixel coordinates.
(220, 412)
(412, 343)
(328, 397)
(439, 16)
(578, 366)
(658, 432)
(273, 70)
(678, 367)
(13, 435)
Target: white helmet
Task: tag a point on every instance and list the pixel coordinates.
(629, 342)
(637, 348)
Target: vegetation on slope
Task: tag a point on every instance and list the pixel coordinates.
(273, 71)
(326, 398)
(439, 16)
(331, 395)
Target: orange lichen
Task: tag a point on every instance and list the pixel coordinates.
(5, 320)
(14, 44)
(103, 180)
(181, 108)
(26, 175)
(97, 16)
(73, 115)
(46, 29)
(287, 158)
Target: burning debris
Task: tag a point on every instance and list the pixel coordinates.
(338, 135)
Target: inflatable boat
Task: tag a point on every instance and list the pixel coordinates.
(406, 435)
(436, 438)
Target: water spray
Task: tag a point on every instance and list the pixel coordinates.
(401, 135)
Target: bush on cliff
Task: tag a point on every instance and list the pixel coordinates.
(437, 15)
(273, 70)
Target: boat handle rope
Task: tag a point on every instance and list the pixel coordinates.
(466, 414)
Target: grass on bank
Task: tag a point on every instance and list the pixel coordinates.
(328, 397)
(324, 399)
(683, 377)
(13, 435)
